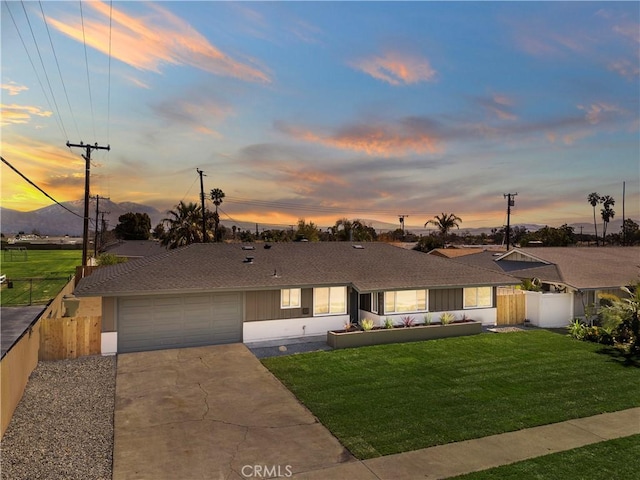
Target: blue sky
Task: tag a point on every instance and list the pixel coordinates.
(324, 110)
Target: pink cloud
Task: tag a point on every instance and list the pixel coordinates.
(20, 114)
(401, 138)
(160, 39)
(397, 68)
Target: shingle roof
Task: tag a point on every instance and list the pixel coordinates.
(136, 248)
(585, 267)
(215, 266)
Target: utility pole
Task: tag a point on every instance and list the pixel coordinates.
(204, 222)
(510, 203)
(624, 230)
(103, 227)
(95, 239)
(401, 218)
(87, 159)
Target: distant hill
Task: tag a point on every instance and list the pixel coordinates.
(55, 220)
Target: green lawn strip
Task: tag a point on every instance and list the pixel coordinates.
(394, 398)
(50, 270)
(614, 459)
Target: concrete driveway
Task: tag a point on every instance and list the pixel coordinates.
(214, 412)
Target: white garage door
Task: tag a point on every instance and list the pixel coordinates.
(159, 322)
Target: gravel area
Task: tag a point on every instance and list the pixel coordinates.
(63, 426)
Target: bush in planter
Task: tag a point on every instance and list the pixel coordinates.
(366, 324)
(408, 321)
(388, 323)
(446, 318)
(427, 318)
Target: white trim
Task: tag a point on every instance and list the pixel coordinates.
(464, 298)
(292, 327)
(109, 343)
(329, 313)
(285, 307)
(394, 292)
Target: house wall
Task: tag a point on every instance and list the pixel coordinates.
(292, 327)
(265, 305)
(109, 336)
(549, 310)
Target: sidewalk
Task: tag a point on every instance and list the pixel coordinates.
(444, 461)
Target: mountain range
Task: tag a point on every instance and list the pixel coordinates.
(55, 220)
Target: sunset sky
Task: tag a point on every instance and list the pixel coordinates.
(327, 110)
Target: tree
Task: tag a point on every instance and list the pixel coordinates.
(185, 225)
(426, 243)
(133, 226)
(444, 223)
(630, 232)
(158, 231)
(594, 199)
(307, 231)
(216, 197)
(607, 213)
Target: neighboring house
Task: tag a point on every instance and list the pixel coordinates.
(577, 275)
(456, 252)
(222, 293)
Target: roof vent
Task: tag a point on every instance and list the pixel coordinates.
(358, 247)
(248, 260)
(248, 247)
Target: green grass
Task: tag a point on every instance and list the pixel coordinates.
(617, 459)
(394, 398)
(51, 267)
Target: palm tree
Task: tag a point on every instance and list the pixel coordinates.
(607, 214)
(184, 225)
(216, 197)
(594, 199)
(444, 223)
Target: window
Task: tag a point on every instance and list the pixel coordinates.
(374, 302)
(330, 300)
(405, 301)
(477, 297)
(290, 298)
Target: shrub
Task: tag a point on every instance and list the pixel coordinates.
(408, 321)
(366, 324)
(388, 322)
(607, 299)
(427, 318)
(577, 329)
(527, 284)
(446, 318)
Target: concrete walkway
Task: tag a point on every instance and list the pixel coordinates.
(216, 412)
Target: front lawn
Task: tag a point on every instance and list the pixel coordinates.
(615, 459)
(394, 398)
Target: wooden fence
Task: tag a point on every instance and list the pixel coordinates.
(15, 368)
(69, 337)
(511, 306)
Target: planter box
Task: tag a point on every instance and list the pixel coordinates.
(402, 334)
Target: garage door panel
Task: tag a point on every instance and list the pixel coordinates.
(152, 323)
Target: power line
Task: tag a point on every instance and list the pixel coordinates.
(86, 61)
(38, 188)
(44, 69)
(64, 87)
(44, 92)
(109, 76)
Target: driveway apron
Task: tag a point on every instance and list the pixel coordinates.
(213, 412)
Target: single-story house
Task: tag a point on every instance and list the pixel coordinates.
(213, 293)
(576, 276)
